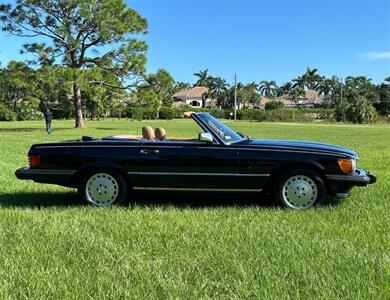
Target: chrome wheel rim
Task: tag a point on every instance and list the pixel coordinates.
(102, 189)
(300, 192)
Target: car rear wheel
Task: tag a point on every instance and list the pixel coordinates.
(103, 188)
(299, 189)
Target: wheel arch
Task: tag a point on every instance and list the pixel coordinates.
(88, 167)
(289, 165)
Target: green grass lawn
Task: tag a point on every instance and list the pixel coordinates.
(53, 247)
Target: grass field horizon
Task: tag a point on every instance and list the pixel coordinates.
(52, 246)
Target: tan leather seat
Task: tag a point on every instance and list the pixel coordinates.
(148, 133)
(160, 133)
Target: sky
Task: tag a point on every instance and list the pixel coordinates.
(259, 39)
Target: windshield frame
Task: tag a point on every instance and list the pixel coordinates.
(213, 125)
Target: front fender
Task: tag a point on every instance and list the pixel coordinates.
(294, 164)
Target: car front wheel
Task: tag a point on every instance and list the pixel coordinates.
(299, 189)
(103, 188)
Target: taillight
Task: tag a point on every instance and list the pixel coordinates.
(35, 161)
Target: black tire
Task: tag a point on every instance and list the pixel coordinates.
(103, 188)
(299, 189)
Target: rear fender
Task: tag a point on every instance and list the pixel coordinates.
(98, 165)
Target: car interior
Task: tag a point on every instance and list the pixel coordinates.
(150, 135)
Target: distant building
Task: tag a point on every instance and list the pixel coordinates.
(261, 101)
(311, 99)
(194, 97)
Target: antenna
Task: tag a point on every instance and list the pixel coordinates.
(235, 97)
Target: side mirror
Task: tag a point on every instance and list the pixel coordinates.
(205, 137)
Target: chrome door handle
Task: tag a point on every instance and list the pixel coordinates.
(146, 151)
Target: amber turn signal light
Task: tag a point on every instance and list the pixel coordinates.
(346, 165)
(35, 161)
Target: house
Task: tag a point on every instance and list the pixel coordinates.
(288, 103)
(259, 105)
(311, 99)
(194, 97)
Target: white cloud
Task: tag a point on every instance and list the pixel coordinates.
(376, 55)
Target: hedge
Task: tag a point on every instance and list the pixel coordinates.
(258, 115)
(271, 105)
(140, 113)
(166, 113)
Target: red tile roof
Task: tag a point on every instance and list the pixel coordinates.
(195, 92)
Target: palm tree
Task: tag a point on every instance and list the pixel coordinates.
(252, 86)
(251, 94)
(325, 87)
(181, 86)
(268, 88)
(299, 82)
(285, 88)
(310, 79)
(204, 78)
(218, 90)
(296, 94)
(240, 92)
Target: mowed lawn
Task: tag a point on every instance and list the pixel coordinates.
(54, 247)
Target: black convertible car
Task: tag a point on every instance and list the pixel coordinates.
(297, 174)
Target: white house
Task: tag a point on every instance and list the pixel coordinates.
(194, 97)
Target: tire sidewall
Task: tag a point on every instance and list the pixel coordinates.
(278, 187)
(123, 187)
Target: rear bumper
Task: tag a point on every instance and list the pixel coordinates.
(59, 177)
(359, 178)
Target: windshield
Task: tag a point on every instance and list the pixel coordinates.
(225, 133)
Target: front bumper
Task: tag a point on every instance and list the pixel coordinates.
(59, 177)
(359, 178)
(341, 185)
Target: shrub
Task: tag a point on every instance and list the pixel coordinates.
(134, 113)
(251, 115)
(6, 114)
(218, 113)
(361, 111)
(178, 111)
(29, 114)
(140, 113)
(166, 113)
(271, 105)
(326, 114)
(280, 115)
(149, 113)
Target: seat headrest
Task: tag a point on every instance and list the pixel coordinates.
(160, 133)
(148, 133)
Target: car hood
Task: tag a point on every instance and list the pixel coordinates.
(299, 145)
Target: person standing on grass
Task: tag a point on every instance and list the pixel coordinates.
(48, 119)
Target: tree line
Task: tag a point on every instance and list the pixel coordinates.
(356, 99)
(92, 63)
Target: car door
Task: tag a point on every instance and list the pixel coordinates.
(209, 166)
(158, 164)
(254, 167)
(187, 166)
